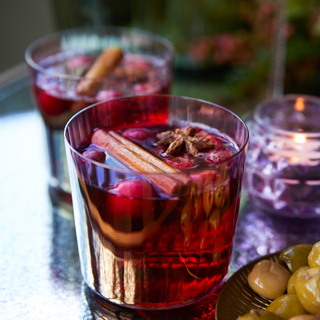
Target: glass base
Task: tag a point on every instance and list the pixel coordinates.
(199, 309)
(214, 293)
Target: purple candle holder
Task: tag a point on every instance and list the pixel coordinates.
(283, 162)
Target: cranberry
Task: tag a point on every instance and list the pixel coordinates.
(135, 64)
(135, 188)
(181, 163)
(96, 155)
(77, 62)
(140, 134)
(144, 88)
(51, 105)
(130, 200)
(219, 156)
(108, 94)
(141, 65)
(204, 177)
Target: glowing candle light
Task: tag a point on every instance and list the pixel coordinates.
(299, 105)
(300, 138)
(283, 163)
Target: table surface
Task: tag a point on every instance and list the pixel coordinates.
(39, 266)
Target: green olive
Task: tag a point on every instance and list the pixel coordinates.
(269, 279)
(286, 306)
(259, 314)
(296, 256)
(291, 286)
(314, 255)
(305, 317)
(308, 289)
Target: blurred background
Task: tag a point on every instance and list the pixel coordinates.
(232, 52)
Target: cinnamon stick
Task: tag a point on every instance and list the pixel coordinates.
(134, 157)
(150, 157)
(143, 153)
(101, 68)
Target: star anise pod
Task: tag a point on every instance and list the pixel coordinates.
(188, 139)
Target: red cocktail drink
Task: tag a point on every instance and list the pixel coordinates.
(156, 196)
(73, 69)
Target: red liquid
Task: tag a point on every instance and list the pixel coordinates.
(151, 250)
(57, 100)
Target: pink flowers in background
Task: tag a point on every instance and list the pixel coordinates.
(227, 48)
(254, 30)
(232, 49)
(238, 47)
(222, 49)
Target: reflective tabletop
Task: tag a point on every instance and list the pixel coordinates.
(39, 267)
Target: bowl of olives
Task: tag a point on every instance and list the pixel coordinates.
(280, 286)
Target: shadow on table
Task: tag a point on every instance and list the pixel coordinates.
(65, 265)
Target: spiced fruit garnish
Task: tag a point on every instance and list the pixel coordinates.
(135, 188)
(138, 134)
(188, 140)
(181, 163)
(219, 156)
(95, 155)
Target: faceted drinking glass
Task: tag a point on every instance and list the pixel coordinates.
(146, 249)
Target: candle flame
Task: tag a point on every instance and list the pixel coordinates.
(300, 138)
(299, 105)
(294, 159)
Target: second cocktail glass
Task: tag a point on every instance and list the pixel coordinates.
(64, 79)
(155, 223)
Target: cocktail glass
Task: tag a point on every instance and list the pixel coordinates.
(150, 250)
(58, 63)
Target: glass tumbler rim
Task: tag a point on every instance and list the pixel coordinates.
(257, 115)
(191, 171)
(57, 35)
